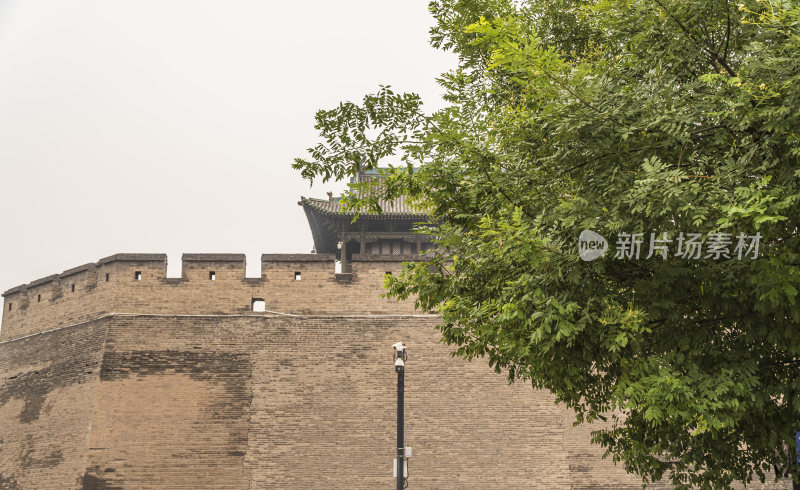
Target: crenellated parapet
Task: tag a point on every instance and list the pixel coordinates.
(209, 284)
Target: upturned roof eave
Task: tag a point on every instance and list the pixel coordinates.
(323, 241)
(311, 204)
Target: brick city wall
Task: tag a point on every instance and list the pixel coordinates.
(169, 401)
(177, 383)
(48, 389)
(112, 285)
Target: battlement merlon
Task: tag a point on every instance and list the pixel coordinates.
(209, 284)
(90, 268)
(157, 263)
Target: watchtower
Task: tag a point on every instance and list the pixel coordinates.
(372, 235)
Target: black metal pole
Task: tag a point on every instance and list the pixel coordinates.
(794, 472)
(400, 445)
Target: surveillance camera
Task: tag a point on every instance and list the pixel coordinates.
(400, 347)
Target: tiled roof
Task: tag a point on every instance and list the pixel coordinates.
(394, 208)
(328, 221)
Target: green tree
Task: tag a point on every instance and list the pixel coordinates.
(619, 116)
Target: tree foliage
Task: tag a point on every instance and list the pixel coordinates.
(637, 116)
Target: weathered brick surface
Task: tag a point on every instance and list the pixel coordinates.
(278, 402)
(274, 402)
(48, 385)
(170, 419)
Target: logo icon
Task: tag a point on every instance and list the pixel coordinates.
(591, 245)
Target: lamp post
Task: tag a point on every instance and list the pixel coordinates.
(796, 484)
(400, 356)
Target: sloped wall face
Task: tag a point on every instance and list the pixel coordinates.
(179, 402)
(47, 392)
(170, 419)
(149, 401)
(309, 402)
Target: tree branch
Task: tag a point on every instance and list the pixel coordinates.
(727, 29)
(715, 58)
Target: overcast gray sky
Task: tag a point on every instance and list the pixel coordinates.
(170, 126)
